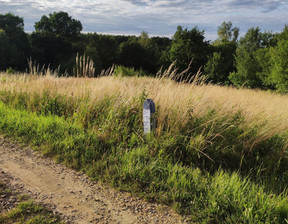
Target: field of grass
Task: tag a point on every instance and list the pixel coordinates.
(218, 154)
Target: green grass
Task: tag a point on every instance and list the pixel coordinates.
(213, 168)
(29, 212)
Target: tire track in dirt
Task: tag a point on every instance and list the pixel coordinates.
(71, 194)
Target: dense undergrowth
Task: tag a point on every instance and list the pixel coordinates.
(214, 167)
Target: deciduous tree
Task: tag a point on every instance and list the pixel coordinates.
(249, 67)
(227, 33)
(59, 24)
(189, 45)
(13, 26)
(279, 62)
(221, 63)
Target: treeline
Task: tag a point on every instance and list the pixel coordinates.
(256, 60)
(57, 40)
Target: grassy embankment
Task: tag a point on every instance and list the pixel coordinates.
(219, 154)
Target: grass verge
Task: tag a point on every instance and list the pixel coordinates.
(213, 167)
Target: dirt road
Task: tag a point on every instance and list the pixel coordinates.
(71, 194)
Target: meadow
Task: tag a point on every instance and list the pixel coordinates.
(218, 154)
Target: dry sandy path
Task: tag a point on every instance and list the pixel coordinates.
(71, 194)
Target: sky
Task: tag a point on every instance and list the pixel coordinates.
(157, 17)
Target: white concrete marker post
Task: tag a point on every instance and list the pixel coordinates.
(148, 118)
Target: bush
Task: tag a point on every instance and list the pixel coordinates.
(122, 71)
(10, 71)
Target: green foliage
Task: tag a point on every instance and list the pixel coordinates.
(216, 69)
(188, 45)
(14, 45)
(102, 49)
(14, 28)
(10, 71)
(246, 64)
(263, 57)
(121, 71)
(138, 53)
(9, 53)
(53, 41)
(279, 62)
(221, 63)
(226, 33)
(251, 69)
(51, 50)
(161, 46)
(59, 24)
(108, 50)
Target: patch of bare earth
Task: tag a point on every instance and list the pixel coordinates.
(71, 194)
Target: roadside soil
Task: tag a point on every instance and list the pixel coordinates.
(71, 194)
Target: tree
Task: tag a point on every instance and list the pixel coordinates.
(13, 26)
(215, 69)
(151, 61)
(144, 40)
(132, 54)
(108, 50)
(51, 50)
(227, 33)
(9, 55)
(102, 49)
(189, 45)
(54, 39)
(279, 62)
(92, 52)
(60, 24)
(249, 67)
(221, 63)
(161, 46)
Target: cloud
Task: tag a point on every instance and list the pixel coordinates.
(263, 5)
(138, 2)
(158, 3)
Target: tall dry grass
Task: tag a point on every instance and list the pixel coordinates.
(84, 66)
(173, 166)
(257, 106)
